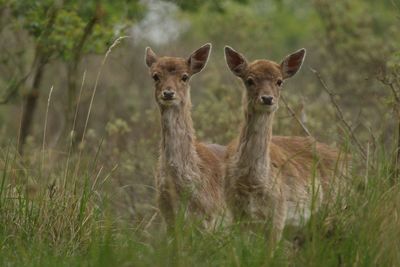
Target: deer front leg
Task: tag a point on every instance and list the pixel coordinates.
(238, 202)
(276, 214)
(278, 222)
(165, 204)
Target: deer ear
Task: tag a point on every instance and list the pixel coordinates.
(292, 63)
(150, 57)
(237, 63)
(198, 59)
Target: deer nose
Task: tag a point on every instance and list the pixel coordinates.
(168, 94)
(267, 100)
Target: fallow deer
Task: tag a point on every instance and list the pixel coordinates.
(189, 172)
(273, 179)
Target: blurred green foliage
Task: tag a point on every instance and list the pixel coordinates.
(209, 5)
(68, 20)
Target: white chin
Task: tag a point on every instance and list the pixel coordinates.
(168, 102)
(267, 108)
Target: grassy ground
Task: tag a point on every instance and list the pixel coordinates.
(54, 217)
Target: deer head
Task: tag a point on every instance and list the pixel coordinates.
(263, 79)
(171, 75)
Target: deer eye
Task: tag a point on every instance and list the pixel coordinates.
(185, 77)
(156, 78)
(250, 81)
(279, 82)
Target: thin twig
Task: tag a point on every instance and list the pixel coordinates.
(394, 86)
(293, 114)
(45, 126)
(366, 167)
(114, 44)
(391, 86)
(340, 114)
(72, 135)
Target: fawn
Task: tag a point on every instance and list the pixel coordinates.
(274, 179)
(189, 172)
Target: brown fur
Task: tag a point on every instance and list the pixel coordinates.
(189, 172)
(273, 178)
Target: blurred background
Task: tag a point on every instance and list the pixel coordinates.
(102, 115)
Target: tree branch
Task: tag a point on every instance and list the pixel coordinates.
(293, 114)
(340, 114)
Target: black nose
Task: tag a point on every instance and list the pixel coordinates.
(168, 95)
(267, 100)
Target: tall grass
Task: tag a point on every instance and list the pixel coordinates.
(43, 223)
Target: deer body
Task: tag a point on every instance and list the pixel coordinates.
(273, 180)
(189, 173)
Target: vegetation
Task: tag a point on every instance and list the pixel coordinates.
(81, 193)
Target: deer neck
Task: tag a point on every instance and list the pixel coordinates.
(254, 143)
(178, 151)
